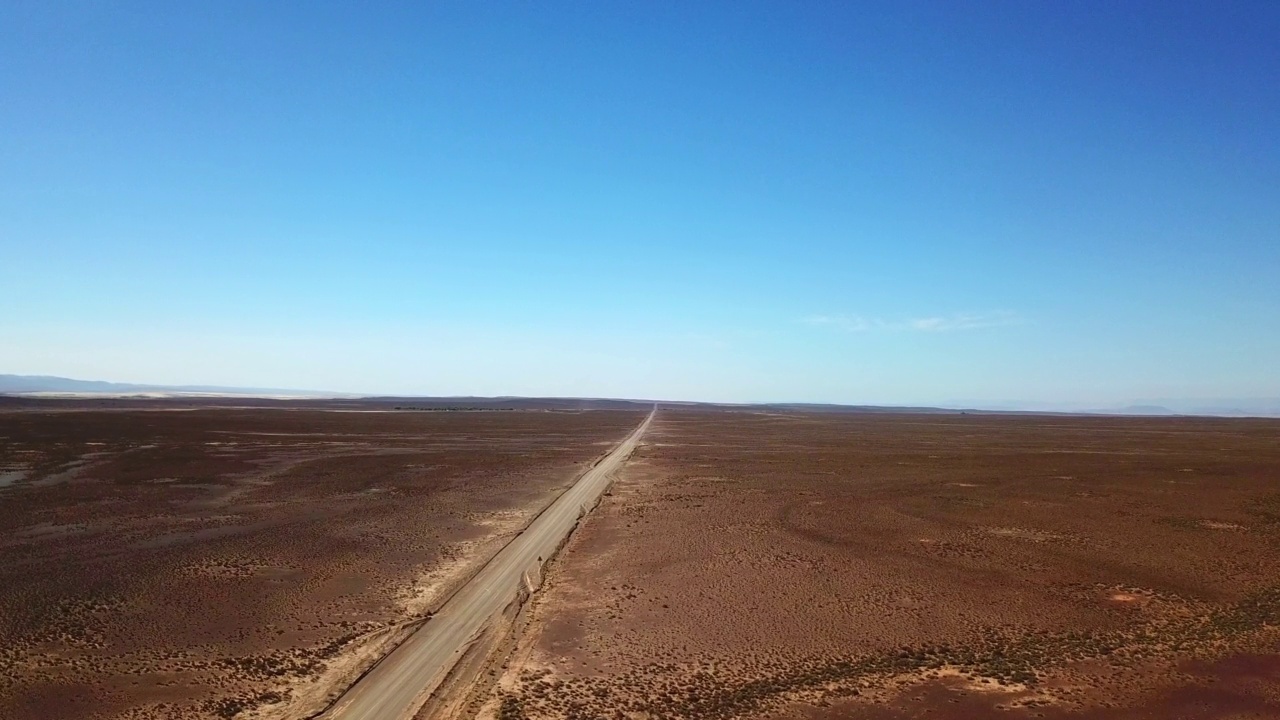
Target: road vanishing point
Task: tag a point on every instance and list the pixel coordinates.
(401, 683)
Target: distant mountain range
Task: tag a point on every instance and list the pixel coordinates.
(1212, 407)
(1226, 407)
(49, 385)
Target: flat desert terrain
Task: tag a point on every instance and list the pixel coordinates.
(819, 566)
(226, 562)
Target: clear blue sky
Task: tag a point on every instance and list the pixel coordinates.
(907, 202)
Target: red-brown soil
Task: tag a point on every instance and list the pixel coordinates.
(904, 566)
(239, 562)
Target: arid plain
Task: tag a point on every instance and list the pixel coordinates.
(788, 565)
(161, 561)
(203, 560)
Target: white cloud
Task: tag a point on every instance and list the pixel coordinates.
(964, 321)
(935, 323)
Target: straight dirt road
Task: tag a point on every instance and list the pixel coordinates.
(403, 681)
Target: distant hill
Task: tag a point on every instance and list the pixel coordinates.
(50, 385)
(1142, 410)
(33, 388)
(1221, 407)
(506, 403)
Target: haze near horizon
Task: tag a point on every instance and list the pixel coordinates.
(898, 203)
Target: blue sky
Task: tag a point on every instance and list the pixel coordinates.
(907, 202)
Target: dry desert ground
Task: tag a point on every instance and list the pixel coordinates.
(235, 562)
(823, 566)
(224, 562)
